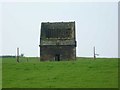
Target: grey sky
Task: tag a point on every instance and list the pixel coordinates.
(96, 25)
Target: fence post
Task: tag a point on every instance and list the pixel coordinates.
(18, 55)
(94, 52)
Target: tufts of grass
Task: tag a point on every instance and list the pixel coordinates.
(82, 73)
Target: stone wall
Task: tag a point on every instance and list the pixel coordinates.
(63, 52)
(57, 41)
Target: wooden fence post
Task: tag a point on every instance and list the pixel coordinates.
(94, 52)
(18, 55)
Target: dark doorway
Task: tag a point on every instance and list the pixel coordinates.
(57, 57)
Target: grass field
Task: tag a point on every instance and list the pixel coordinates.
(82, 73)
(0, 73)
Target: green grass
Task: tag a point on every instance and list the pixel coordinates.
(0, 73)
(82, 73)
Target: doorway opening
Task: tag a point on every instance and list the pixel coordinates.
(57, 57)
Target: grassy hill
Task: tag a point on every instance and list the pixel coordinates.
(82, 73)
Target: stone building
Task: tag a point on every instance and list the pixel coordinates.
(57, 41)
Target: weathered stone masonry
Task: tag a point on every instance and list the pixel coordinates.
(57, 41)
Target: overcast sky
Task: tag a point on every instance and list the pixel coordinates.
(96, 25)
